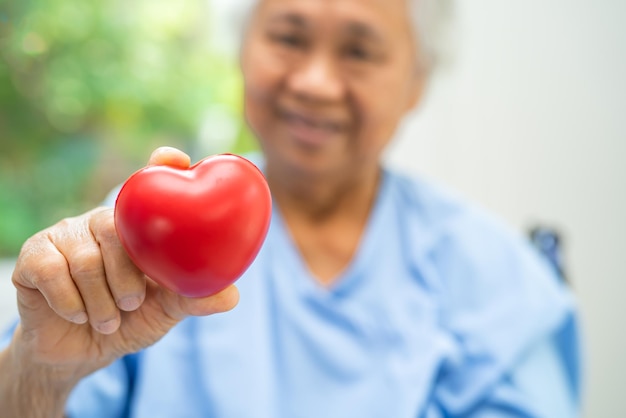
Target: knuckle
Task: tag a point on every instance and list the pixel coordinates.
(45, 273)
(106, 232)
(101, 219)
(86, 262)
(37, 264)
(67, 231)
(36, 245)
(63, 223)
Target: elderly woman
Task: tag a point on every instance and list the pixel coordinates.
(375, 295)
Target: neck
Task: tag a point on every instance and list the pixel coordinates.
(319, 198)
(326, 216)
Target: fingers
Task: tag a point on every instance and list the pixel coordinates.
(84, 256)
(169, 156)
(86, 269)
(42, 267)
(125, 281)
(82, 272)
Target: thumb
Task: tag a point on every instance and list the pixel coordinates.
(169, 156)
(179, 307)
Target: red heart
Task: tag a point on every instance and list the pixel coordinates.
(194, 231)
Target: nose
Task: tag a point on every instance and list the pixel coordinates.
(317, 78)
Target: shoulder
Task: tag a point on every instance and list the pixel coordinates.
(480, 261)
(499, 298)
(463, 240)
(448, 224)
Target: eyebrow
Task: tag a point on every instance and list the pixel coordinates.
(364, 31)
(355, 29)
(293, 19)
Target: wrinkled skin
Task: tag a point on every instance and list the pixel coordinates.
(83, 303)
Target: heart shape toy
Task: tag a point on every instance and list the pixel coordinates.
(194, 231)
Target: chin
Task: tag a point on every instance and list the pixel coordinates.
(304, 165)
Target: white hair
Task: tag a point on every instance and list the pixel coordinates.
(430, 20)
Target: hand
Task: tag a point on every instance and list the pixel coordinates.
(83, 303)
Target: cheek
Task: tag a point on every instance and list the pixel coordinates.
(262, 72)
(378, 115)
(387, 88)
(261, 87)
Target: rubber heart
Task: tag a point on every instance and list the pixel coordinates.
(194, 231)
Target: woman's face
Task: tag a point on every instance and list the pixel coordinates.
(327, 81)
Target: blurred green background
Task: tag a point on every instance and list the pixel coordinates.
(88, 89)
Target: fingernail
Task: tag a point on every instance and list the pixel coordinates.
(107, 327)
(80, 318)
(129, 303)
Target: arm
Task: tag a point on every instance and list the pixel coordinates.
(82, 305)
(28, 389)
(540, 385)
(537, 387)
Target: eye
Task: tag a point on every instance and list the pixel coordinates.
(289, 40)
(360, 53)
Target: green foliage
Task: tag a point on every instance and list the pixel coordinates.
(88, 89)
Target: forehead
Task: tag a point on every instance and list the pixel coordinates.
(387, 16)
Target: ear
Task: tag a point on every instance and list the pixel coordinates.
(416, 89)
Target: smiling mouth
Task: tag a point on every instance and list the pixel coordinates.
(321, 124)
(312, 131)
(314, 123)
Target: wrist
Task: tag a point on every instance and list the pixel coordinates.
(28, 359)
(31, 389)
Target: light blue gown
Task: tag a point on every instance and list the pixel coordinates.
(444, 312)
